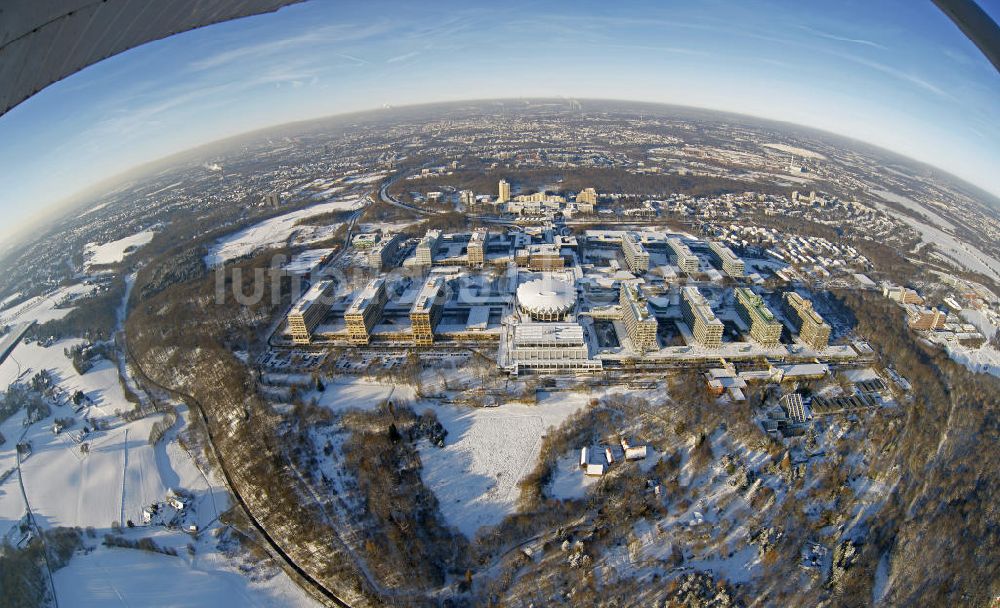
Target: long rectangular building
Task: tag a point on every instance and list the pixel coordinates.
(686, 261)
(426, 310)
(635, 252)
(764, 328)
(551, 346)
(812, 329)
(731, 264)
(707, 329)
(638, 318)
(309, 311)
(365, 311)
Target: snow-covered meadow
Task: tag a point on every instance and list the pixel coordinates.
(279, 230)
(115, 251)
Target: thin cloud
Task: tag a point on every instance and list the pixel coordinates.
(402, 57)
(901, 75)
(829, 36)
(319, 35)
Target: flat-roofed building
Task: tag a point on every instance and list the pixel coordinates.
(812, 329)
(686, 261)
(903, 295)
(477, 247)
(635, 253)
(638, 318)
(764, 328)
(309, 311)
(383, 251)
(706, 328)
(365, 311)
(551, 346)
(545, 257)
(426, 310)
(926, 320)
(424, 254)
(731, 263)
(794, 407)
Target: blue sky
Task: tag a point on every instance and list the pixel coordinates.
(895, 73)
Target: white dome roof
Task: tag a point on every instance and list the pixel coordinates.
(546, 296)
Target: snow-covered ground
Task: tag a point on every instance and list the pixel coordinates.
(487, 452)
(128, 577)
(43, 308)
(347, 394)
(795, 150)
(959, 252)
(569, 481)
(982, 360)
(121, 474)
(115, 251)
(279, 230)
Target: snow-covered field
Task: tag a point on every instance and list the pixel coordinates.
(795, 150)
(119, 476)
(129, 577)
(958, 252)
(43, 308)
(115, 251)
(487, 452)
(279, 230)
(358, 394)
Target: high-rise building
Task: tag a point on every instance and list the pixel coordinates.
(309, 311)
(638, 318)
(365, 311)
(272, 199)
(381, 253)
(467, 197)
(504, 194)
(731, 264)
(764, 328)
(812, 329)
(587, 196)
(707, 329)
(477, 247)
(426, 310)
(425, 248)
(635, 253)
(686, 261)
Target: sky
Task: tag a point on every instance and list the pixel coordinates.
(895, 73)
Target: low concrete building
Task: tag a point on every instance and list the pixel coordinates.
(551, 347)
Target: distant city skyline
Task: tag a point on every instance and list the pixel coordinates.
(898, 75)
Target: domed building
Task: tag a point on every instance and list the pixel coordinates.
(546, 299)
